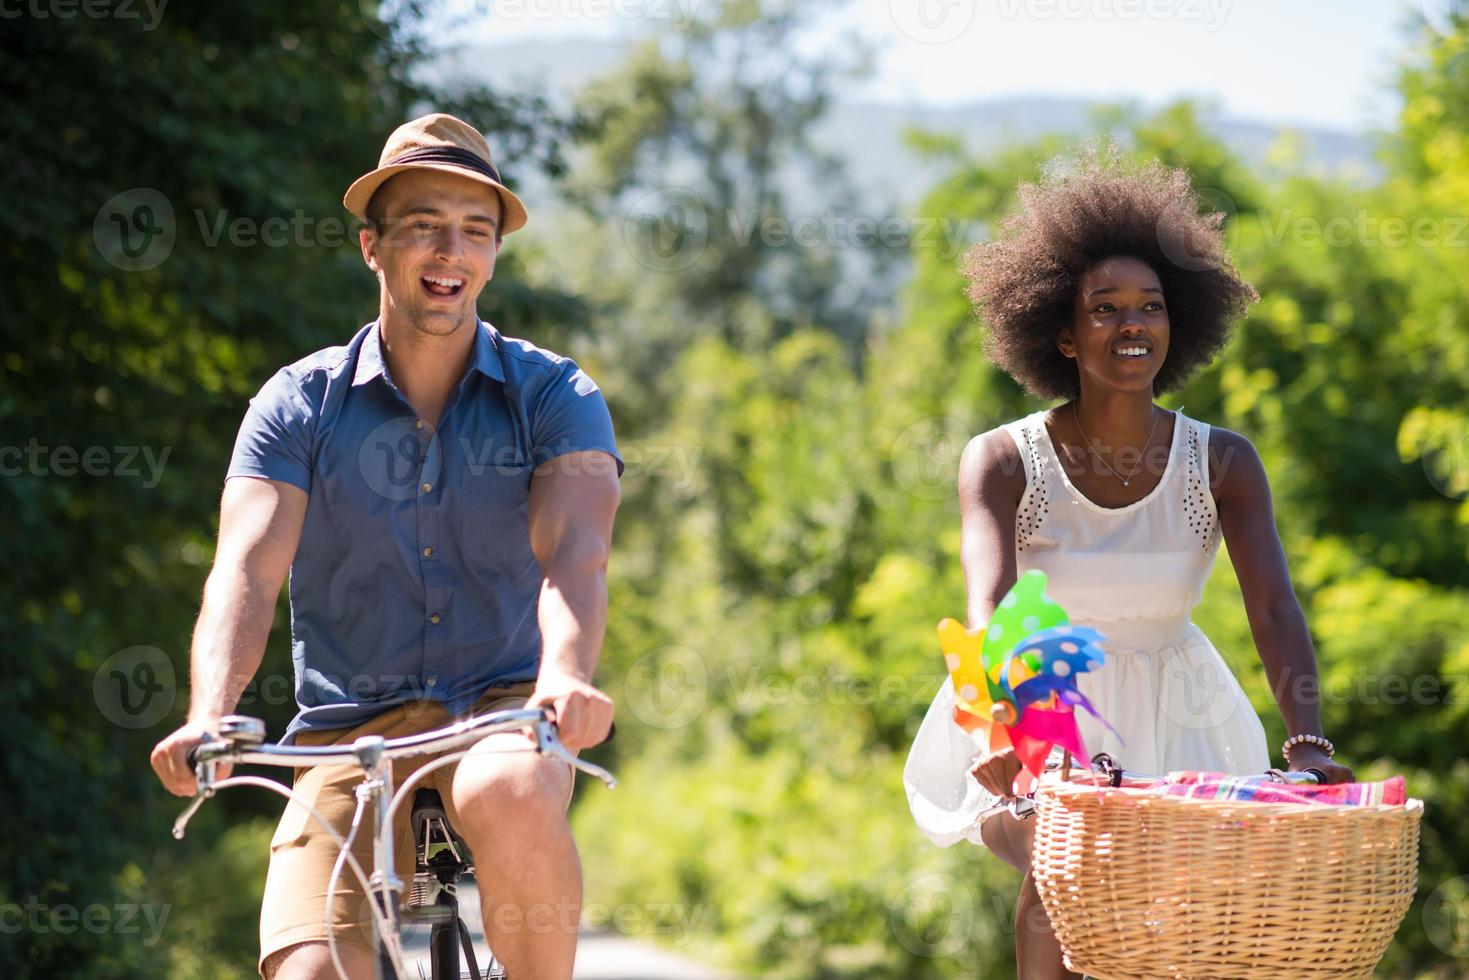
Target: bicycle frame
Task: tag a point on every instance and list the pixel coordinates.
(242, 741)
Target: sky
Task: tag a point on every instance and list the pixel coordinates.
(1293, 62)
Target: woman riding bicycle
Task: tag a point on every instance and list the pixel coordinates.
(1107, 288)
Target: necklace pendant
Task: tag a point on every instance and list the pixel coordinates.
(1127, 483)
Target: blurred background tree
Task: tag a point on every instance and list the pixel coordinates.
(792, 416)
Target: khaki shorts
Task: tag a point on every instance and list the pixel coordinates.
(302, 854)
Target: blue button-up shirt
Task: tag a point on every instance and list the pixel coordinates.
(415, 577)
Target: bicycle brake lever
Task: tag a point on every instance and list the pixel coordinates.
(182, 822)
(549, 743)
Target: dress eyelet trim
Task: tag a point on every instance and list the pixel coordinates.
(1037, 500)
(1201, 518)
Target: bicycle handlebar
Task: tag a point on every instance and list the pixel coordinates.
(242, 740)
(1024, 805)
(241, 745)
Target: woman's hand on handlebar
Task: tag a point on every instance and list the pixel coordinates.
(1305, 756)
(170, 759)
(996, 772)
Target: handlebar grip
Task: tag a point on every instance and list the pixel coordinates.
(192, 757)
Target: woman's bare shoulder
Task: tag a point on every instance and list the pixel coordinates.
(1227, 451)
(991, 467)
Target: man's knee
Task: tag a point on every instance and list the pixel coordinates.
(498, 789)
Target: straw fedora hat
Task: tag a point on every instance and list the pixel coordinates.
(437, 142)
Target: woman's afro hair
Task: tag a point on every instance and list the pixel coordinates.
(1085, 209)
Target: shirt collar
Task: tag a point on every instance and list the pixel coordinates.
(485, 357)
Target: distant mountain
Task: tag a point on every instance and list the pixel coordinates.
(869, 136)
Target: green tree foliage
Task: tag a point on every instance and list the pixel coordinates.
(789, 535)
(236, 129)
(807, 561)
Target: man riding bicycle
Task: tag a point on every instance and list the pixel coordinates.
(442, 497)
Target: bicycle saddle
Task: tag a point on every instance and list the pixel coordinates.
(433, 834)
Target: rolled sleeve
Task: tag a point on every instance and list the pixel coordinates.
(274, 442)
(571, 416)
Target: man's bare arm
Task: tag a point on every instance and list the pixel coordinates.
(259, 528)
(573, 501)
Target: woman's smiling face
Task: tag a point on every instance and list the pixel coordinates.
(1119, 306)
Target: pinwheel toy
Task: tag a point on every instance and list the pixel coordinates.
(1015, 679)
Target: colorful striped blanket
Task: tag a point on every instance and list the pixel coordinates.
(1258, 789)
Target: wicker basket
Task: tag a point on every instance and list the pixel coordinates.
(1140, 884)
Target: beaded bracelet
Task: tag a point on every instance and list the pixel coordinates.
(1317, 740)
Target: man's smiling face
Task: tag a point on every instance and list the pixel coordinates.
(433, 242)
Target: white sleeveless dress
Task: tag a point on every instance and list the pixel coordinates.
(1134, 573)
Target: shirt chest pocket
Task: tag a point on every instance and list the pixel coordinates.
(494, 528)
